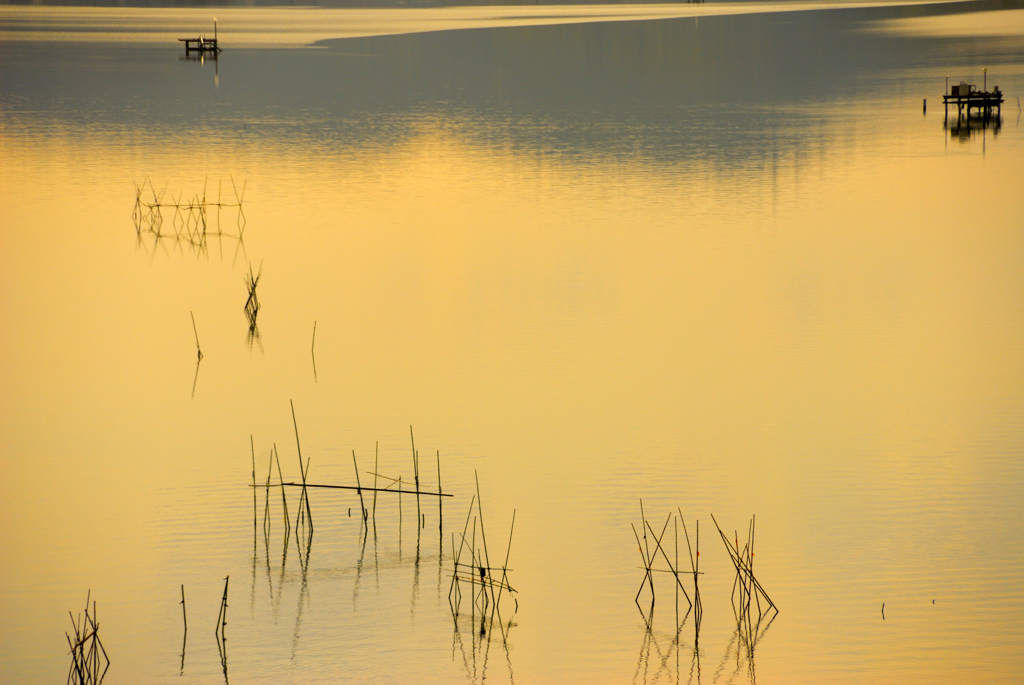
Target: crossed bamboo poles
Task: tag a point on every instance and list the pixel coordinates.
(87, 652)
(649, 554)
(751, 604)
(747, 593)
(485, 586)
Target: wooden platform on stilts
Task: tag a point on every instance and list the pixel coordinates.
(966, 96)
(202, 45)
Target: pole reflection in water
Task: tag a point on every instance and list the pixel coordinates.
(303, 589)
(740, 653)
(195, 379)
(359, 566)
(655, 663)
(480, 641)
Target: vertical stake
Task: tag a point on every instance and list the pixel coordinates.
(416, 475)
(359, 487)
(252, 446)
(376, 451)
(483, 535)
(298, 447)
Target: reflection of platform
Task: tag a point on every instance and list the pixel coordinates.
(964, 128)
(199, 56)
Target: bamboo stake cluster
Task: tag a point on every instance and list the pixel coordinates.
(252, 304)
(650, 545)
(472, 567)
(747, 593)
(193, 219)
(304, 516)
(748, 596)
(87, 653)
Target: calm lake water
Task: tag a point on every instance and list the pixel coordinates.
(715, 257)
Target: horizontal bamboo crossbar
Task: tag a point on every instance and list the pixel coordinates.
(354, 487)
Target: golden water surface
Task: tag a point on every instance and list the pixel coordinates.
(724, 264)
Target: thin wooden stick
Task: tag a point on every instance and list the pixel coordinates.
(695, 568)
(472, 576)
(284, 500)
(222, 617)
(199, 350)
(305, 496)
(416, 474)
(675, 532)
(440, 507)
(376, 453)
(362, 505)
(504, 568)
(439, 471)
(252, 446)
(266, 504)
(647, 569)
(647, 549)
(458, 554)
(479, 509)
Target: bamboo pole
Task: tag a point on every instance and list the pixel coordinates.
(425, 493)
(504, 568)
(362, 505)
(440, 509)
(252, 446)
(376, 453)
(222, 617)
(457, 555)
(479, 509)
(416, 475)
(695, 568)
(305, 495)
(472, 576)
(647, 572)
(284, 500)
(675, 532)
